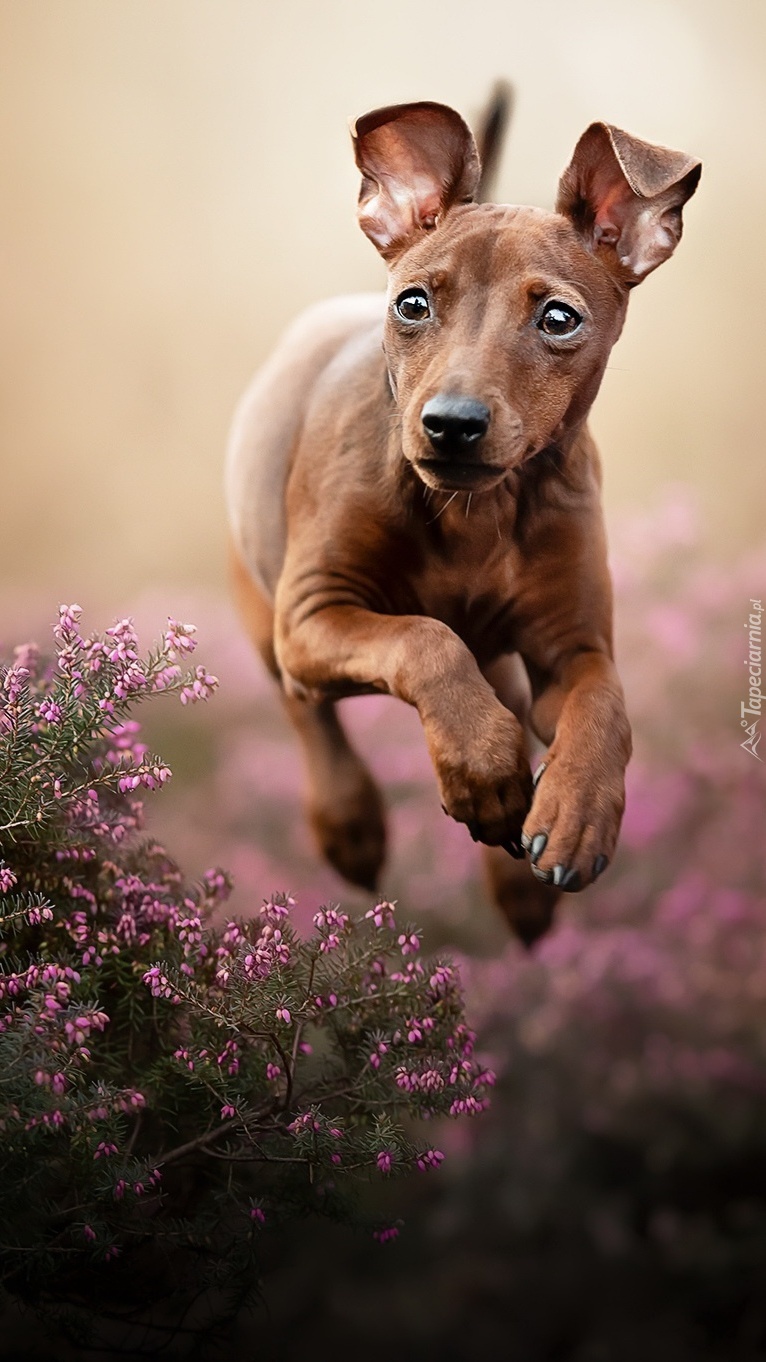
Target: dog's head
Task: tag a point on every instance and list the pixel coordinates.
(500, 319)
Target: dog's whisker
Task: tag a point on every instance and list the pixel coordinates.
(468, 504)
(444, 507)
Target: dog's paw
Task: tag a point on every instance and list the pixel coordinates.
(571, 830)
(526, 904)
(350, 831)
(485, 780)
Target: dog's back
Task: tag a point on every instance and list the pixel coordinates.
(268, 422)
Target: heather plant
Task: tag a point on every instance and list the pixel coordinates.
(622, 1160)
(612, 1201)
(173, 1082)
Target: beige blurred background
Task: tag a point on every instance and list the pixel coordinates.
(176, 183)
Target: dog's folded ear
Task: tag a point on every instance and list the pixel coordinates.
(625, 198)
(417, 160)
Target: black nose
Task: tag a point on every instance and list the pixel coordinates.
(454, 424)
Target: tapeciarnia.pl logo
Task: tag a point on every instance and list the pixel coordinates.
(752, 706)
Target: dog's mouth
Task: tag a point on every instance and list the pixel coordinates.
(450, 475)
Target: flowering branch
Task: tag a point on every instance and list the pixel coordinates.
(135, 1035)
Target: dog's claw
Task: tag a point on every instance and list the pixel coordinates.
(538, 774)
(537, 846)
(544, 876)
(599, 866)
(566, 879)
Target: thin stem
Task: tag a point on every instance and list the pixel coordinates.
(201, 1142)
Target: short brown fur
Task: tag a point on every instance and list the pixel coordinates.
(460, 567)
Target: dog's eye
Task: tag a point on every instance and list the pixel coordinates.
(559, 319)
(412, 305)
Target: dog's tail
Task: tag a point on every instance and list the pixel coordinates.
(490, 136)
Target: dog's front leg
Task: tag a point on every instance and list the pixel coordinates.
(476, 745)
(571, 830)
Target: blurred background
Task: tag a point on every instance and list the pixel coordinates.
(177, 183)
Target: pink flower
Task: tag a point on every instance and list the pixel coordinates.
(201, 688)
(277, 907)
(158, 983)
(431, 1081)
(165, 677)
(331, 917)
(14, 681)
(432, 1158)
(154, 776)
(385, 1160)
(178, 637)
(382, 914)
(227, 1111)
(257, 1214)
(66, 629)
(217, 883)
(37, 915)
(468, 1106)
(283, 1015)
(410, 943)
(386, 1235)
(50, 711)
(229, 1057)
(129, 682)
(89, 1232)
(124, 642)
(441, 978)
(77, 1031)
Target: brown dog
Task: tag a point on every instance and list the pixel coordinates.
(414, 498)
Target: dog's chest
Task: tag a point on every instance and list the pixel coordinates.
(468, 584)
